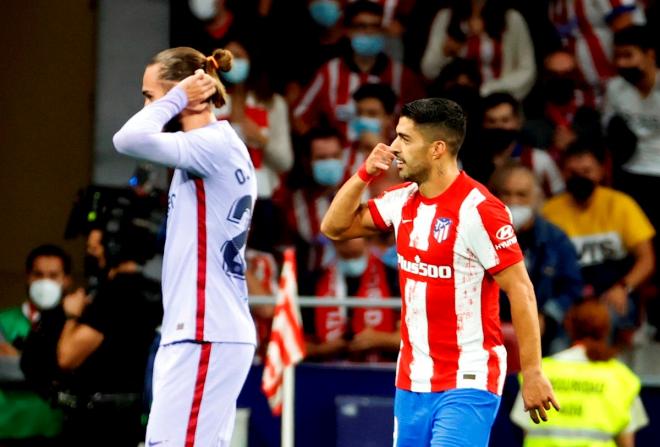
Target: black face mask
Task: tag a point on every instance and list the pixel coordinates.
(559, 91)
(633, 75)
(581, 188)
(497, 140)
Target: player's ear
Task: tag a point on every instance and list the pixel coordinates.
(438, 148)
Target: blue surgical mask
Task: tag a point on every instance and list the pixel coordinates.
(353, 267)
(325, 12)
(363, 124)
(328, 172)
(240, 69)
(203, 9)
(368, 44)
(389, 257)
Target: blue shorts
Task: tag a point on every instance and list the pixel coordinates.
(459, 417)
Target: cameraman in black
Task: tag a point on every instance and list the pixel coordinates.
(102, 350)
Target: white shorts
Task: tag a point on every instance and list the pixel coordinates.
(195, 387)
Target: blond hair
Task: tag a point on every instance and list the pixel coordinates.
(180, 62)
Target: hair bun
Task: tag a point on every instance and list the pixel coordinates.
(223, 58)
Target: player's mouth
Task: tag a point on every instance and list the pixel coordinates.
(399, 163)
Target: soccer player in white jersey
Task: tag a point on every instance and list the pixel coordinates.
(456, 246)
(208, 336)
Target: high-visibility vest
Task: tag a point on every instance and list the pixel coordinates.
(595, 400)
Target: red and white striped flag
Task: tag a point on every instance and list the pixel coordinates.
(286, 346)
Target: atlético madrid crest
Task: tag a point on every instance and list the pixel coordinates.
(441, 228)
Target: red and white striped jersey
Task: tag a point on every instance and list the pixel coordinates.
(449, 247)
(584, 27)
(486, 52)
(330, 93)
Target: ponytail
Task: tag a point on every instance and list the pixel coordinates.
(219, 60)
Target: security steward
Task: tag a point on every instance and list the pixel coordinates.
(101, 352)
(600, 399)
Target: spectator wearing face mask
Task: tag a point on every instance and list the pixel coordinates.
(586, 29)
(327, 99)
(26, 418)
(632, 113)
(562, 107)
(364, 334)
(374, 123)
(261, 119)
(310, 186)
(550, 257)
(609, 230)
(501, 137)
(490, 33)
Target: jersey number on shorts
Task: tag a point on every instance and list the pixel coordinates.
(233, 263)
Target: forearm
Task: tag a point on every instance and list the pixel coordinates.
(138, 137)
(525, 322)
(640, 272)
(65, 347)
(344, 208)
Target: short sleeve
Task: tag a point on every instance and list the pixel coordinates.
(491, 237)
(636, 226)
(98, 314)
(614, 8)
(386, 209)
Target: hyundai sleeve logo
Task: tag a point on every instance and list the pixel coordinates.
(505, 232)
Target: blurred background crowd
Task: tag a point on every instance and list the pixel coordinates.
(563, 106)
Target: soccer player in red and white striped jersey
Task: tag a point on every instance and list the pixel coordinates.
(456, 247)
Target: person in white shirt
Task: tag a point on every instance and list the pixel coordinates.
(632, 117)
(494, 36)
(208, 336)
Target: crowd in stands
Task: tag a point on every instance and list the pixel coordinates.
(563, 106)
(562, 126)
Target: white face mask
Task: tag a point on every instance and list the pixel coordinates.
(520, 215)
(45, 293)
(203, 9)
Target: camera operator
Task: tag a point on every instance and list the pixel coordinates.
(101, 352)
(105, 345)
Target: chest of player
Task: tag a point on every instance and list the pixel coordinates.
(426, 237)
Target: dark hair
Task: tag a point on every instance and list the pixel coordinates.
(455, 69)
(493, 15)
(359, 7)
(381, 92)
(321, 133)
(496, 99)
(441, 113)
(582, 147)
(49, 250)
(635, 35)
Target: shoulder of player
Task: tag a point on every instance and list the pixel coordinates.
(406, 189)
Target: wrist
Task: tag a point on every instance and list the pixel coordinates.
(364, 175)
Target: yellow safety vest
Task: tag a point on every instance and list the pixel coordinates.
(595, 400)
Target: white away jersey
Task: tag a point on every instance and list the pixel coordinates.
(210, 206)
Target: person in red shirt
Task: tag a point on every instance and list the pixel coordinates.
(328, 99)
(358, 334)
(456, 247)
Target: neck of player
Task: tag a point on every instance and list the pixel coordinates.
(197, 120)
(442, 175)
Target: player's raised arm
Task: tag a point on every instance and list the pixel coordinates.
(347, 217)
(169, 99)
(536, 389)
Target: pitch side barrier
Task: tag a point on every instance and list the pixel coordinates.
(312, 301)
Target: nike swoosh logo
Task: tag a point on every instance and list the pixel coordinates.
(152, 443)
